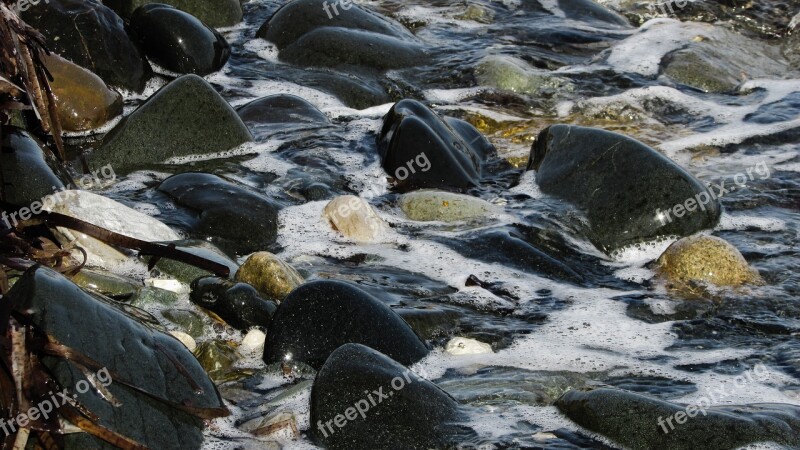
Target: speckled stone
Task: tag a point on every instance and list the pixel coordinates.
(706, 259)
(269, 275)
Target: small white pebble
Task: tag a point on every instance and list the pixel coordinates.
(168, 285)
(185, 339)
(467, 346)
(253, 341)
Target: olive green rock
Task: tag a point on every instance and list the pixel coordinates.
(718, 60)
(107, 283)
(215, 13)
(706, 259)
(271, 276)
(185, 117)
(187, 272)
(429, 205)
(217, 357)
(190, 322)
(515, 75)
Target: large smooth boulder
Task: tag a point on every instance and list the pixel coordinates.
(640, 422)
(158, 391)
(92, 36)
(235, 219)
(629, 192)
(420, 149)
(216, 13)
(185, 117)
(362, 399)
(83, 100)
(310, 33)
(178, 41)
(318, 317)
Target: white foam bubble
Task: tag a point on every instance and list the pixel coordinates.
(743, 222)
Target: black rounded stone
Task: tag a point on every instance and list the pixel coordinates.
(178, 41)
(309, 32)
(621, 184)
(28, 173)
(235, 219)
(318, 317)
(92, 36)
(238, 304)
(400, 409)
(420, 149)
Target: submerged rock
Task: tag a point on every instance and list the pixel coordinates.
(178, 41)
(354, 218)
(217, 357)
(269, 274)
(318, 317)
(640, 422)
(107, 284)
(515, 75)
(156, 380)
(111, 215)
(187, 272)
(186, 117)
(238, 304)
(233, 218)
(190, 321)
(629, 192)
(362, 399)
(281, 112)
(92, 36)
(83, 100)
(308, 32)
(216, 13)
(427, 205)
(29, 173)
(422, 150)
(705, 259)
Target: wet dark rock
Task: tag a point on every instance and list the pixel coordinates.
(238, 304)
(621, 184)
(785, 109)
(156, 379)
(318, 317)
(178, 41)
(28, 173)
(92, 36)
(593, 13)
(409, 412)
(518, 247)
(185, 117)
(235, 219)
(216, 13)
(306, 33)
(355, 91)
(281, 112)
(423, 150)
(632, 420)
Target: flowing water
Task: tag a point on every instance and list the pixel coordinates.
(615, 326)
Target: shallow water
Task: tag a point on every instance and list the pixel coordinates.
(615, 326)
